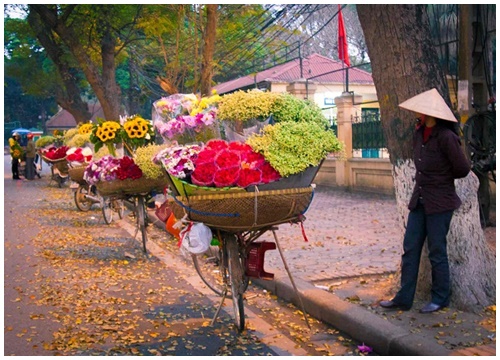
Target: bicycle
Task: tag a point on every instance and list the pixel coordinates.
(110, 205)
(238, 220)
(84, 194)
(479, 133)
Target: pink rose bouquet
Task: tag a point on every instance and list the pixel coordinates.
(223, 164)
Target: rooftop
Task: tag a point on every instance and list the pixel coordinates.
(313, 67)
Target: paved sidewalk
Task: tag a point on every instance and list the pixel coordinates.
(345, 268)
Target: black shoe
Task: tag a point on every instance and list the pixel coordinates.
(389, 304)
(430, 308)
(16, 178)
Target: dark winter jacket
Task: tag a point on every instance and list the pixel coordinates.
(438, 162)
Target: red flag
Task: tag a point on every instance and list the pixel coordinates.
(342, 43)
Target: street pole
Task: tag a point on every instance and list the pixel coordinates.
(464, 96)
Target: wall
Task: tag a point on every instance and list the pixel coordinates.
(372, 175)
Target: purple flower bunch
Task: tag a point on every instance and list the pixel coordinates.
(173, 105)
(104, 169)
(183, 124)
(178, 161)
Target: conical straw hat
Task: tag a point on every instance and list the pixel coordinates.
(429, 103)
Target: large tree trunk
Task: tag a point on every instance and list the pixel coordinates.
(69, 95)
(104, 85)
(208, 50)
(404, 63)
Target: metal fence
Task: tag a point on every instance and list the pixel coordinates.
(367, 135)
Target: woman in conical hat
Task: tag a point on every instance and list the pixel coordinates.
(439, 160)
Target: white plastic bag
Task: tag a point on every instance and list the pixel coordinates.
(196, 238)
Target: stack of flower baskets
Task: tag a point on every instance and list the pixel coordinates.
(78, 160)
(184, 118)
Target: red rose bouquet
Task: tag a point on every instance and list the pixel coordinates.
(223, 164)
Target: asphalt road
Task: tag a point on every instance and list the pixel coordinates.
(76, 286)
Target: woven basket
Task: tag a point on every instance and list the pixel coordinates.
(244, 211)
(130, 187)
(60, 164)
(186, 189)
(52, 161)
(76, 174)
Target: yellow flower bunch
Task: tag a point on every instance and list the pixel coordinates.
(205, 103)
(137, 127)
(106, 133)
(85, 129)
(107, 130)
(246, 105)
(137, 132)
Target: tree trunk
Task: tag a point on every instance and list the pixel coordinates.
(107, 91)
(69, 96)
(405, 63)
(208, 50)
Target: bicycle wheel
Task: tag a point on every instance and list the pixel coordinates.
(119, 207)
(82, 203)
(209, 267)
(236, 275)
(107, 212)
(141, 220)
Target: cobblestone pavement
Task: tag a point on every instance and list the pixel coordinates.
(349, 234)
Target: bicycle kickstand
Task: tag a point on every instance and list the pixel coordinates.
(224, 294)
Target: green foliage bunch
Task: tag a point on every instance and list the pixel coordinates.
(143, 158)
(246, 105)
(69, 134)
(79, 140)
(291, 147)
(288, 107)
(45, 140)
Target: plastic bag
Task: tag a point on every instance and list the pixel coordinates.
(196, 238)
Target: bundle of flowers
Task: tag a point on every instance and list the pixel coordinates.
(223, 164)
(246, 105)
(186, 118)
(69, 134)
(185, 128)
(173, 105)
(106, 133)
(45, 140)
(55, 153)
(178, 161)
(79, 140)
(109, 168)
(144, 159)
(291, 147)
(85, 128)
(77, 156)
(288, 107)
(206, 103)
(137, 131)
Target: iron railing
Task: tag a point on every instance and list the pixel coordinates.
(367, 134)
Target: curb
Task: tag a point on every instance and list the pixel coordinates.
(385, 338)
(359, 323)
